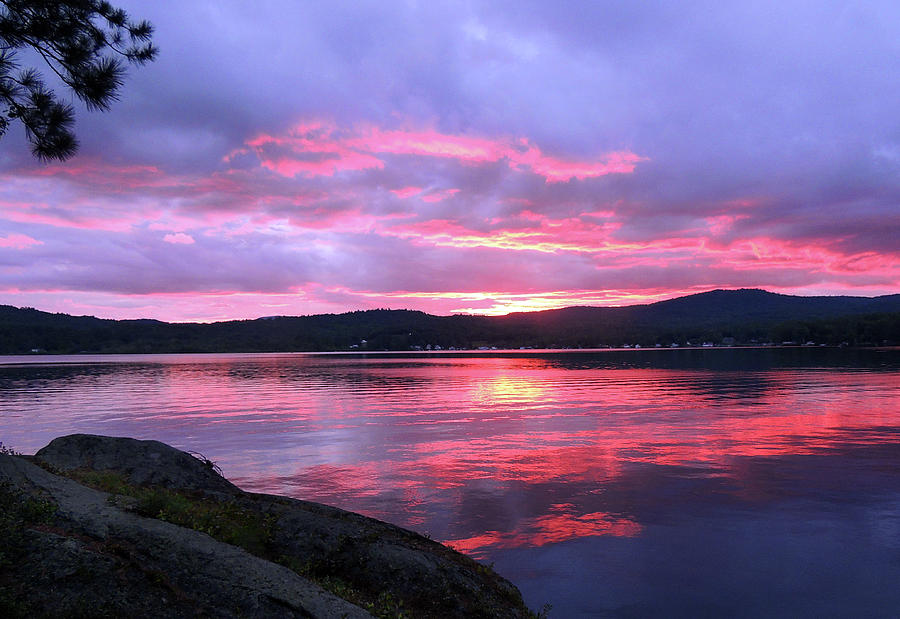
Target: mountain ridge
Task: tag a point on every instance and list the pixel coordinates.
(748, 315)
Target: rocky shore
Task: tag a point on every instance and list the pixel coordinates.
(96, 526)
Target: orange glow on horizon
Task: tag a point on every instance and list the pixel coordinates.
(502, 303)
(223, 305)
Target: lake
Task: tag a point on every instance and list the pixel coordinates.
(672, 483)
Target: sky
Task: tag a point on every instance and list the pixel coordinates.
(292, 158)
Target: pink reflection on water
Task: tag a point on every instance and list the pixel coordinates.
(563, 523)
(486, 452)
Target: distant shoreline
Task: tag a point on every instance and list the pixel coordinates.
(717, 319)
(80, 358)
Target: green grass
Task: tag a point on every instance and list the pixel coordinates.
(20, 511)
(226, 521)
(234, 524)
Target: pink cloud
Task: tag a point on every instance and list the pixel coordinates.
(406, 192)
(436, 195)
(544, 234)
(311, 149)
(97, 172)
(556, 170)
(720, 224)
(439, 196)
(179, 238)
(808, 256)
(89, 195)
(288, 165)
(69, 217)
(322, 149)
(430, 144)
(18, 241)
(491, 224)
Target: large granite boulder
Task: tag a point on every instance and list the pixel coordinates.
(141, 462)
(97, 560)
(99, 554)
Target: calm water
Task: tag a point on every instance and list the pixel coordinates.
(757, 483)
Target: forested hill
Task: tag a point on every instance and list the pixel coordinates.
(720, 316)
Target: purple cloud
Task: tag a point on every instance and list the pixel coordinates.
(332, 156)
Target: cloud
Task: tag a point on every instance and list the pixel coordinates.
(322, 149)
(406, 192)
(18, 241)
(179, 238)
(476, 157)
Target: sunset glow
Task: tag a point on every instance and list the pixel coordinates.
(430, 166)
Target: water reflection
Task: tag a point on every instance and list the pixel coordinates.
(690, 480)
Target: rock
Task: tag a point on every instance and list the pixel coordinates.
(431, 579)
(100, 557)
(141, 462)
(101, 554)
